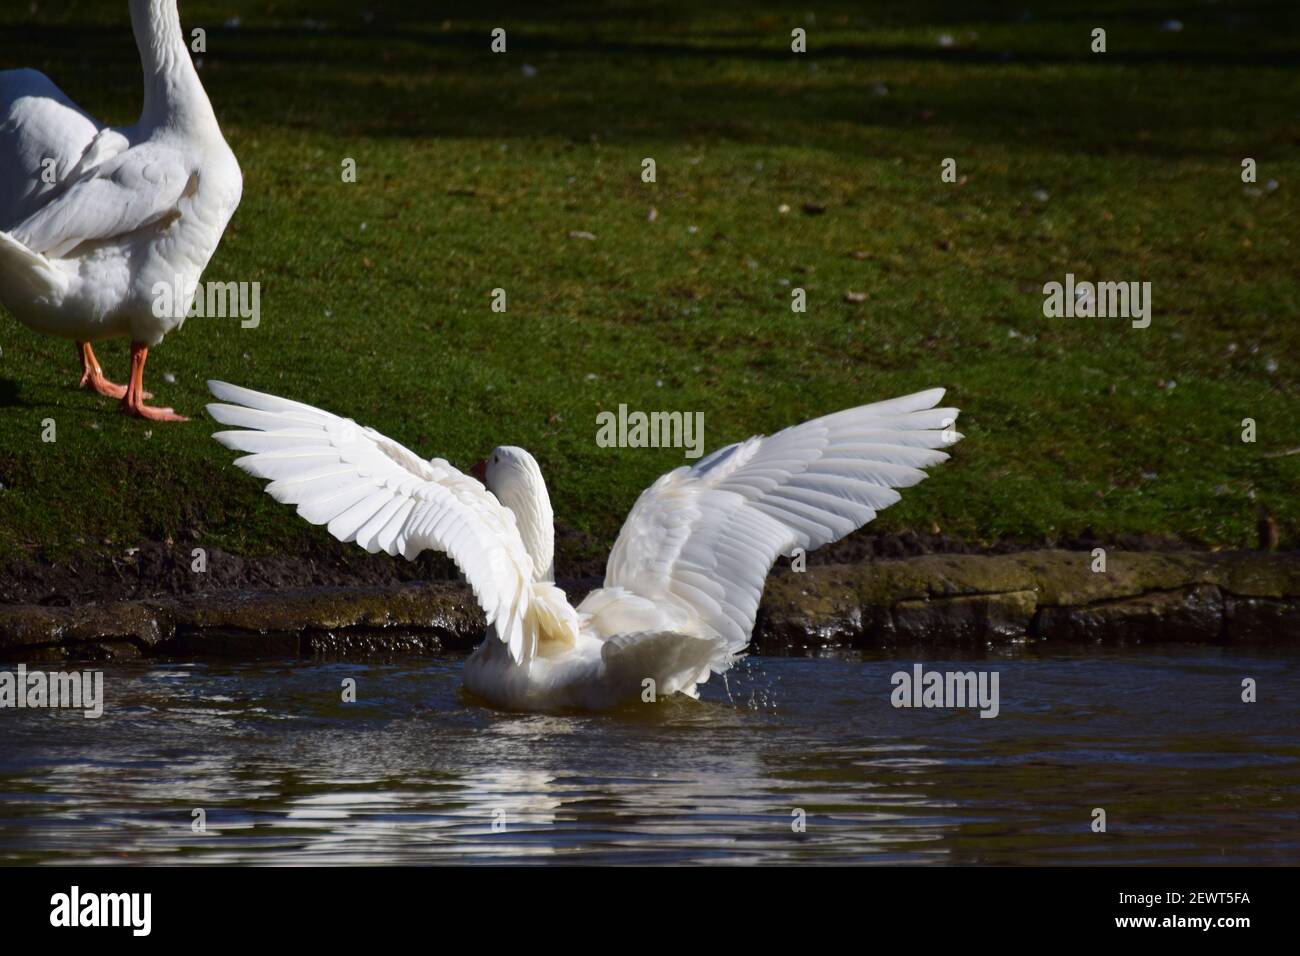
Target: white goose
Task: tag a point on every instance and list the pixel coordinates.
(93, 218)
(685, 577)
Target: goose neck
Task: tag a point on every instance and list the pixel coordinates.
(173, 95)
(531, 505)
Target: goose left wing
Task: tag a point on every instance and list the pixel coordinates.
(114, 196)
(44, 140)
(367, 488)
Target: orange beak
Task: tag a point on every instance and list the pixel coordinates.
(479, 470)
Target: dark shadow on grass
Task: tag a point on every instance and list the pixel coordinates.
(9, 395)
(295, 45)
(406, 74)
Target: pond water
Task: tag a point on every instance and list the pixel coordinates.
(414, 771)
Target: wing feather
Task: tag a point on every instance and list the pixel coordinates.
(705, 537)
(367, 488)
(133, 189)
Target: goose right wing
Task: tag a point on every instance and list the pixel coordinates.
(703, 538)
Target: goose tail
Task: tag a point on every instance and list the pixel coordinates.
(549, 620)
(675, 662)
(27, 276)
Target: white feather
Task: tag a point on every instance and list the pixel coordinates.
(751, 502)
(684, 580)
(362, 485)
(83, 251)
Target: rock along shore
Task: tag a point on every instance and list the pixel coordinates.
(942, 599)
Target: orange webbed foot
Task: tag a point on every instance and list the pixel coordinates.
(92, 375)
(133, 401)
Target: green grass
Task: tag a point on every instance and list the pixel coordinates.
(375, 295)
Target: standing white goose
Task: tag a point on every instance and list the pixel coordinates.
(93, 219)
(685, 577)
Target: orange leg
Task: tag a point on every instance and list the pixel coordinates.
(133, 400)
(92, 376)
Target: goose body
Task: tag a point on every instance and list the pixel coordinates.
(93, 219)
(683, 582)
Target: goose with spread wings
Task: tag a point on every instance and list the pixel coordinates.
(105, 232)
(684, 580)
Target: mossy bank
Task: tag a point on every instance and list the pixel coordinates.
(933, 600)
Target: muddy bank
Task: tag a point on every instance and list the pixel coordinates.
(1231, 597)
(153, 569)
(940, 599)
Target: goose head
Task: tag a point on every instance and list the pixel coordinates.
(515, 478)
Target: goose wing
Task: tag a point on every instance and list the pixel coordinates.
(703, 538)
(367, 488)
(44, 137)
(116, 194)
